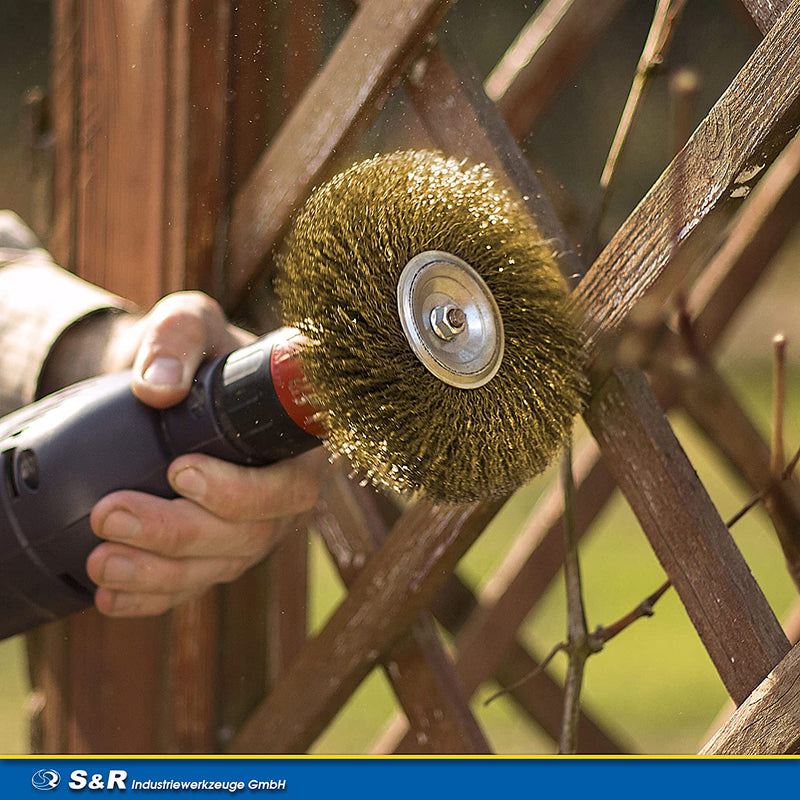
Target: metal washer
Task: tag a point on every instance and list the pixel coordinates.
(435, 279)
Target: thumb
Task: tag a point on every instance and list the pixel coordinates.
(179, 334)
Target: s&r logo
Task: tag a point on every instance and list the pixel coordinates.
(45, 779)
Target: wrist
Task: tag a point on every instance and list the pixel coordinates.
(93, 345)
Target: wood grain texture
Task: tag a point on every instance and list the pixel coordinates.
(142, 144)
(109, 63)
(747, 127)
(545, 54)
(395, 586)
(725, 604)
(712, 405)
(121, 204)
(768, 721)
(417, 666)
(243, 606)
(754, 237)
(463, 122)
(765, 13)
(345, 95)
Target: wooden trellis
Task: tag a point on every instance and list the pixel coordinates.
(163, 180)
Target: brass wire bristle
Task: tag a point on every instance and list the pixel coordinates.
(398, 424)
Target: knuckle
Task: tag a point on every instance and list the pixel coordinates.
(181, 325)
(168, 530)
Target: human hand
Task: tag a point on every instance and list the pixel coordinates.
(160, 552)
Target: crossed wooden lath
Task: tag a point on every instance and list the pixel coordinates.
(398, 564)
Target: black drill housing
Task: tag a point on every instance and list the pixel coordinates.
(59, 456)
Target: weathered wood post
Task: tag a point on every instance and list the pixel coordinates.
(144, 92)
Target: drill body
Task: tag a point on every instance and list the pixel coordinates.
(59, 456)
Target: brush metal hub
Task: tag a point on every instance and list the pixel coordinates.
(450, 319)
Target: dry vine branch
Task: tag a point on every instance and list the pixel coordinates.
(597, 639)
(579, 643)
(665, 18)
(779, 404)
(766, 491)
(604, 633)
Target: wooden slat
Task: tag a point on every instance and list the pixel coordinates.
(243, 605)
(346, 94)
(417, 666)
(649, 509)
(462, 121)
(286, 600)
(47, 648)
(433, 700)
(768, 721)
(119, 169)
(393, 589)
(725, 604)
(287, 567)
(765, 13)
(711, 404)
(109, 206)
(545, 55)
(754, 237)
(142, 184)
(65, 73)
(198, 146)
(748, 126)
(194, 186)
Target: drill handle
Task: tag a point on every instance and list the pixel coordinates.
(59, 456)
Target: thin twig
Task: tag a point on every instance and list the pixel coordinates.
(777, 457)
(579, 646)
(596, 640)
(644, 609)
(790, 467)
(528, 676)
(759, 496)
(664, 22)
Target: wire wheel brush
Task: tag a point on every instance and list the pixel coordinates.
(439, 338)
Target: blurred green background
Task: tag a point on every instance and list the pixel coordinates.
(653, 686)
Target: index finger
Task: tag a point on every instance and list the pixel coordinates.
(234, 492)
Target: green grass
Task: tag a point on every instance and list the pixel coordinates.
(653, 686)
(13, 686)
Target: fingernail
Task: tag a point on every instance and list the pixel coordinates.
(121, 526)
(118, 569)
(190, 482)
(164, 371)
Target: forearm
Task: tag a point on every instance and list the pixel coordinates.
(54, 328)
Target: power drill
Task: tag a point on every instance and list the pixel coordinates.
(436, 337)
(60, 455)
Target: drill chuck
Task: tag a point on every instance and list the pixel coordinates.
(59, 456)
